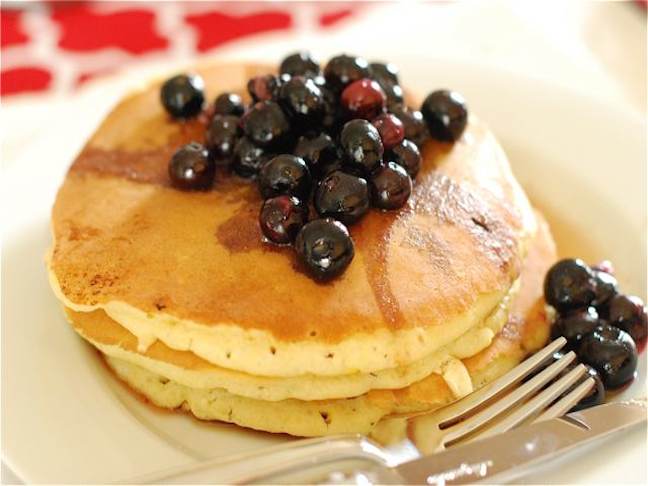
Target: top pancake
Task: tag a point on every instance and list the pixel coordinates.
(123, 237)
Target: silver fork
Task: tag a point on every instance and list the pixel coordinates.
(495, 408)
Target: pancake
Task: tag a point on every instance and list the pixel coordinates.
(191, 270)
(194, 310)
(526, 330)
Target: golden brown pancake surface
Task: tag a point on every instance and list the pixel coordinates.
(121, 233)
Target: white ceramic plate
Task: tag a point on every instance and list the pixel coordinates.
(67, 420)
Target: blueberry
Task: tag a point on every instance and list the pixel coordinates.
(361, 145)
(612, 353)
(381, 72)
(415, 127)
(391, 186)
(394, 94)
(333, 117)
(343, 69)
(446, 115)
(596, 396)
(248, 158)
(191, 169)
(266, 125)
(606, 287)
(407, 155)
(282, 217)
(628, 313)
(391, 129)
(325, 248)
(363, 98)
(228, 104)
(319, 152)
(263, 88)
(299, 64)
(575, 325)
(285, 174)
(221, 137)
(183, 95)
(569, 284)
(342, 196)
(302, 99)
(386, 75)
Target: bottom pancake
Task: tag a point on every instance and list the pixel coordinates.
(526, 330)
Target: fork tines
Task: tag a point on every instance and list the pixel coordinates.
(500, 405)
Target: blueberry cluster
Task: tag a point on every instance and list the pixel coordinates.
(605, 328)
(332, 142)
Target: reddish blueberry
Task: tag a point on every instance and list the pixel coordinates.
(363, 98)
(282, 217)
(391, 129)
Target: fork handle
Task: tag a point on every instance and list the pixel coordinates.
(308, 460)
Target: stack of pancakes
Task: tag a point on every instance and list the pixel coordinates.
(192, 309)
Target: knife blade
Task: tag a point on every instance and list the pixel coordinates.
(506, 456)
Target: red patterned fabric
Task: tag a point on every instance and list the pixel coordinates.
(130, 30)
(12, 32)
(58, 46)
(216, 28)
(24, 79)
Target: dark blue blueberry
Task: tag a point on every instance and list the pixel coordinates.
(342, 196)
(263, 88)
(343, 69)
(228, 104)
(390, 185)
(612, 353)
(221, 137)
(575, 325)
(303, 101)
(446, 115)
(407, 155)
(183, 95)
(361, 145)
(606, 287)
(191, 169)
(282, 217)
(627, 312)
(569, 285)
(266, 124)
(319, 152)
(248, 158)
(285, 174)
(300, 64)
(324, 248)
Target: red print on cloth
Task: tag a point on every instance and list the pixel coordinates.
(12, 32)
(216, 28)
(26, 78)
(332, 18)
(86, 30)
